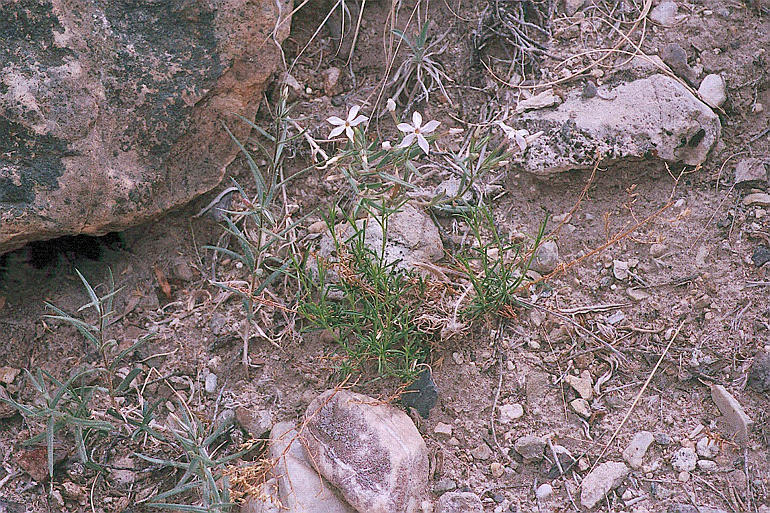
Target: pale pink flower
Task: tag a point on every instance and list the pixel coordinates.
(346, 125)
(417, 131)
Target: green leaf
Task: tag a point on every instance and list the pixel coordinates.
(127, 380)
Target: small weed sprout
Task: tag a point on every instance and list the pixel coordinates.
(420, 73)
(202, 471)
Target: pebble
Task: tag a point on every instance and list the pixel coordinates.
(581, 407)
(496, 469)
(658, 250)
(761, 256)
(707, 448)
(664, 14)
(684, 460)
(583, 384)
(738, 422)
(211, 384)
(634, 453)
(8, 374)
(675, 58)
(331, 78)
(459, 502)
(444, 485)
(546, 258)
(443, 429)
(572, 6)
(600, 481)
(759, 373)
(637, 294)
(543, 491)
(707, 465)
(511, 412)
(530, 447)
(662, 438)
(749, 171)
(757, 198)
(683, 476)
(255, 422)
(482, 452)
(713, 91)
(620, 269)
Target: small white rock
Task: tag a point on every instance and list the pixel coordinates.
(583, 384)
(581, 407)
(600, 481)
(543, 491)
(443, 429)
(707, 448)
(707, 465)
(634, 453)
(684, 459)
(511, 412)
(211, 384)
(664, 14)
(713, 90)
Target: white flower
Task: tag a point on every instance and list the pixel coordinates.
(346, 125)
(386, 145)
(417, 131)
(519, 136)
(391, 105)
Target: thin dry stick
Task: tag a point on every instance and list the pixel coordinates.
(639, 395)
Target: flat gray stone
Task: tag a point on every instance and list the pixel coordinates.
(750, 171)
(736, 419)
(650, 117)
(601, 481)
(459, 502)
(634, 453)
(530, 447)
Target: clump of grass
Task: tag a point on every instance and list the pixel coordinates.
(367, 303)
(496, 268)
(420, 73)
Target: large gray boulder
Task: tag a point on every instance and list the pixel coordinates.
(371, 451)
(111, 112)
(651, 117)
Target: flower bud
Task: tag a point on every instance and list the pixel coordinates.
(391, 105)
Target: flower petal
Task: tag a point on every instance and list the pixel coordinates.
(405, 127)
(521, 141)
(353, 112)
(408, 140)
(430, 126)
(336, 132)
(358, 120)
(349, 132)
(391, 105)
(423, 143)
(334, 120)
(417, 119)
